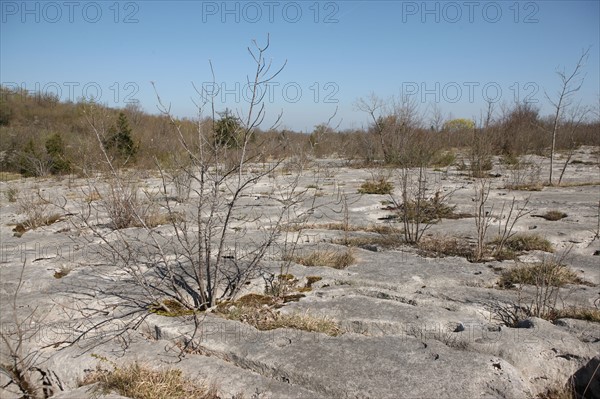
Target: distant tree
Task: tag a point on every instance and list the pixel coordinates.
(459, 125)
(120, 142)
(55, 148)
(227, 129)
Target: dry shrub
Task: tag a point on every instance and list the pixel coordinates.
(35, 209)
(122, 205)
(140, 382)
(426, 210)
(12, 194)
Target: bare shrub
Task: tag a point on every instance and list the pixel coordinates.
(205, 253)
(19, 361)
(524, 175)
(122, 204)
(12, 194)
(506, 229)
(483, 217)
(37, 211)
(416, 209)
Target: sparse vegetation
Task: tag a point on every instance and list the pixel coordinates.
(138, 381)
(260, 312)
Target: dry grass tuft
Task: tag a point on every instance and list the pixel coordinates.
(547, 273)
(445, 246)
(328, 258)
(140, 382)
(525, 187)
(372, 228)
(9, 176)
(376, 186)
(258, 311)
(579, 313)
(526, 242)
(385, 241)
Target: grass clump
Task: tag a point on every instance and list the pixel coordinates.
(140, 382)
(328, 258)
(445, 246)
(376, 186)
(547, 273)
(527, 242)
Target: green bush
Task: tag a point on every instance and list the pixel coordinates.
(120, 142)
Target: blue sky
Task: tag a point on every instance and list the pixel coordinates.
(453, 54)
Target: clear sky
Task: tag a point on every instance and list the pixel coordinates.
(453, 54)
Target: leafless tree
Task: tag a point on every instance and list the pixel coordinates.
(570, 84)
(211, 240)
